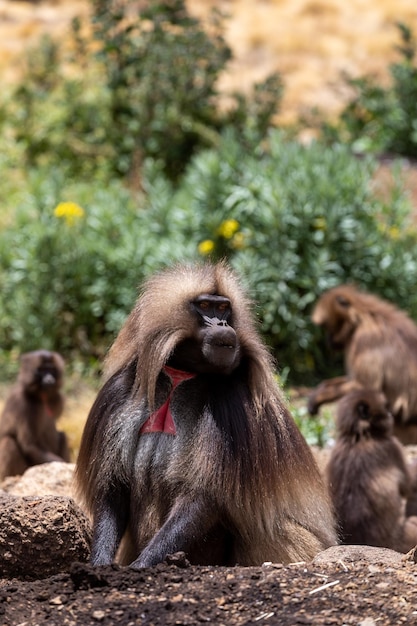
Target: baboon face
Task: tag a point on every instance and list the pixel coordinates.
(41, 370)
(214, 348)
(365, 412)
(335, 314)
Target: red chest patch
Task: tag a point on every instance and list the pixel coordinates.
(46, 406)
(161, 420)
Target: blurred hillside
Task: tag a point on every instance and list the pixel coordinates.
(310, 42)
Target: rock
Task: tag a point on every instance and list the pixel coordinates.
(42, 480)
(351, 554)
(178, 558)
(41, 535)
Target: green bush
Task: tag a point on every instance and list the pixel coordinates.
(146, 88)
(59, 113)
(71, 262)
(383, 119)
(293, 220)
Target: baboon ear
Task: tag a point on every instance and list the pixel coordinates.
(363, 410)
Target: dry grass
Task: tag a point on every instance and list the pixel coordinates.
(78, 403)
(310, 42)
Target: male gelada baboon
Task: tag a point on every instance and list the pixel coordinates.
(379, 343)
(188, 446)
(368, 476)
(28, 434)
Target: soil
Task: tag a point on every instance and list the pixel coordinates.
(355, 593)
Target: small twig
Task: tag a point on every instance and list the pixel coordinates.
(335, 582)
(263, 616)
(345, 567)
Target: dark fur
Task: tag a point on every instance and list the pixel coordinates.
(368, 476)
(237, 483)
(379, 343)
(411, 508)
(28, 433)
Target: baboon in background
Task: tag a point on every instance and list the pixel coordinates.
(28, 434)
(379, 343)
(368, 475)
(411, 508)
(189, 446)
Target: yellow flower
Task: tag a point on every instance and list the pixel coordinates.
(69, 211)
(206, 247)
(238, 241)
(394, 232)
(320, 223)
(228, 228)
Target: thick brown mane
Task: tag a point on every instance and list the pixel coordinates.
(156, 336)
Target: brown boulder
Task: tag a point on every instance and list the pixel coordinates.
(41, 535)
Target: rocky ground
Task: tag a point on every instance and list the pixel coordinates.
(42, 583)
(357, 588)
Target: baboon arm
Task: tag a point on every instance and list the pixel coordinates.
(28, 443)
(405, 483)
(408, 536)
(110, 523)
(189, 519)
(330, 391)
(64, 451)
(38, 456)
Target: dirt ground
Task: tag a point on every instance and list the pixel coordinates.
(359, 591)
(344, 593)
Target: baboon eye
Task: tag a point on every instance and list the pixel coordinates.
(344, 302)
(363, 411)
(212, 306)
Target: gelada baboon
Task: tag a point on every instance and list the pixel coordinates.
(28, 433)
(188, 446)
(368, 475)
(379, 343)
(411, 508)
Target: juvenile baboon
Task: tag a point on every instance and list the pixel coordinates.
(28, 433)
(368, 475)
(189, 446)
(379, 342)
